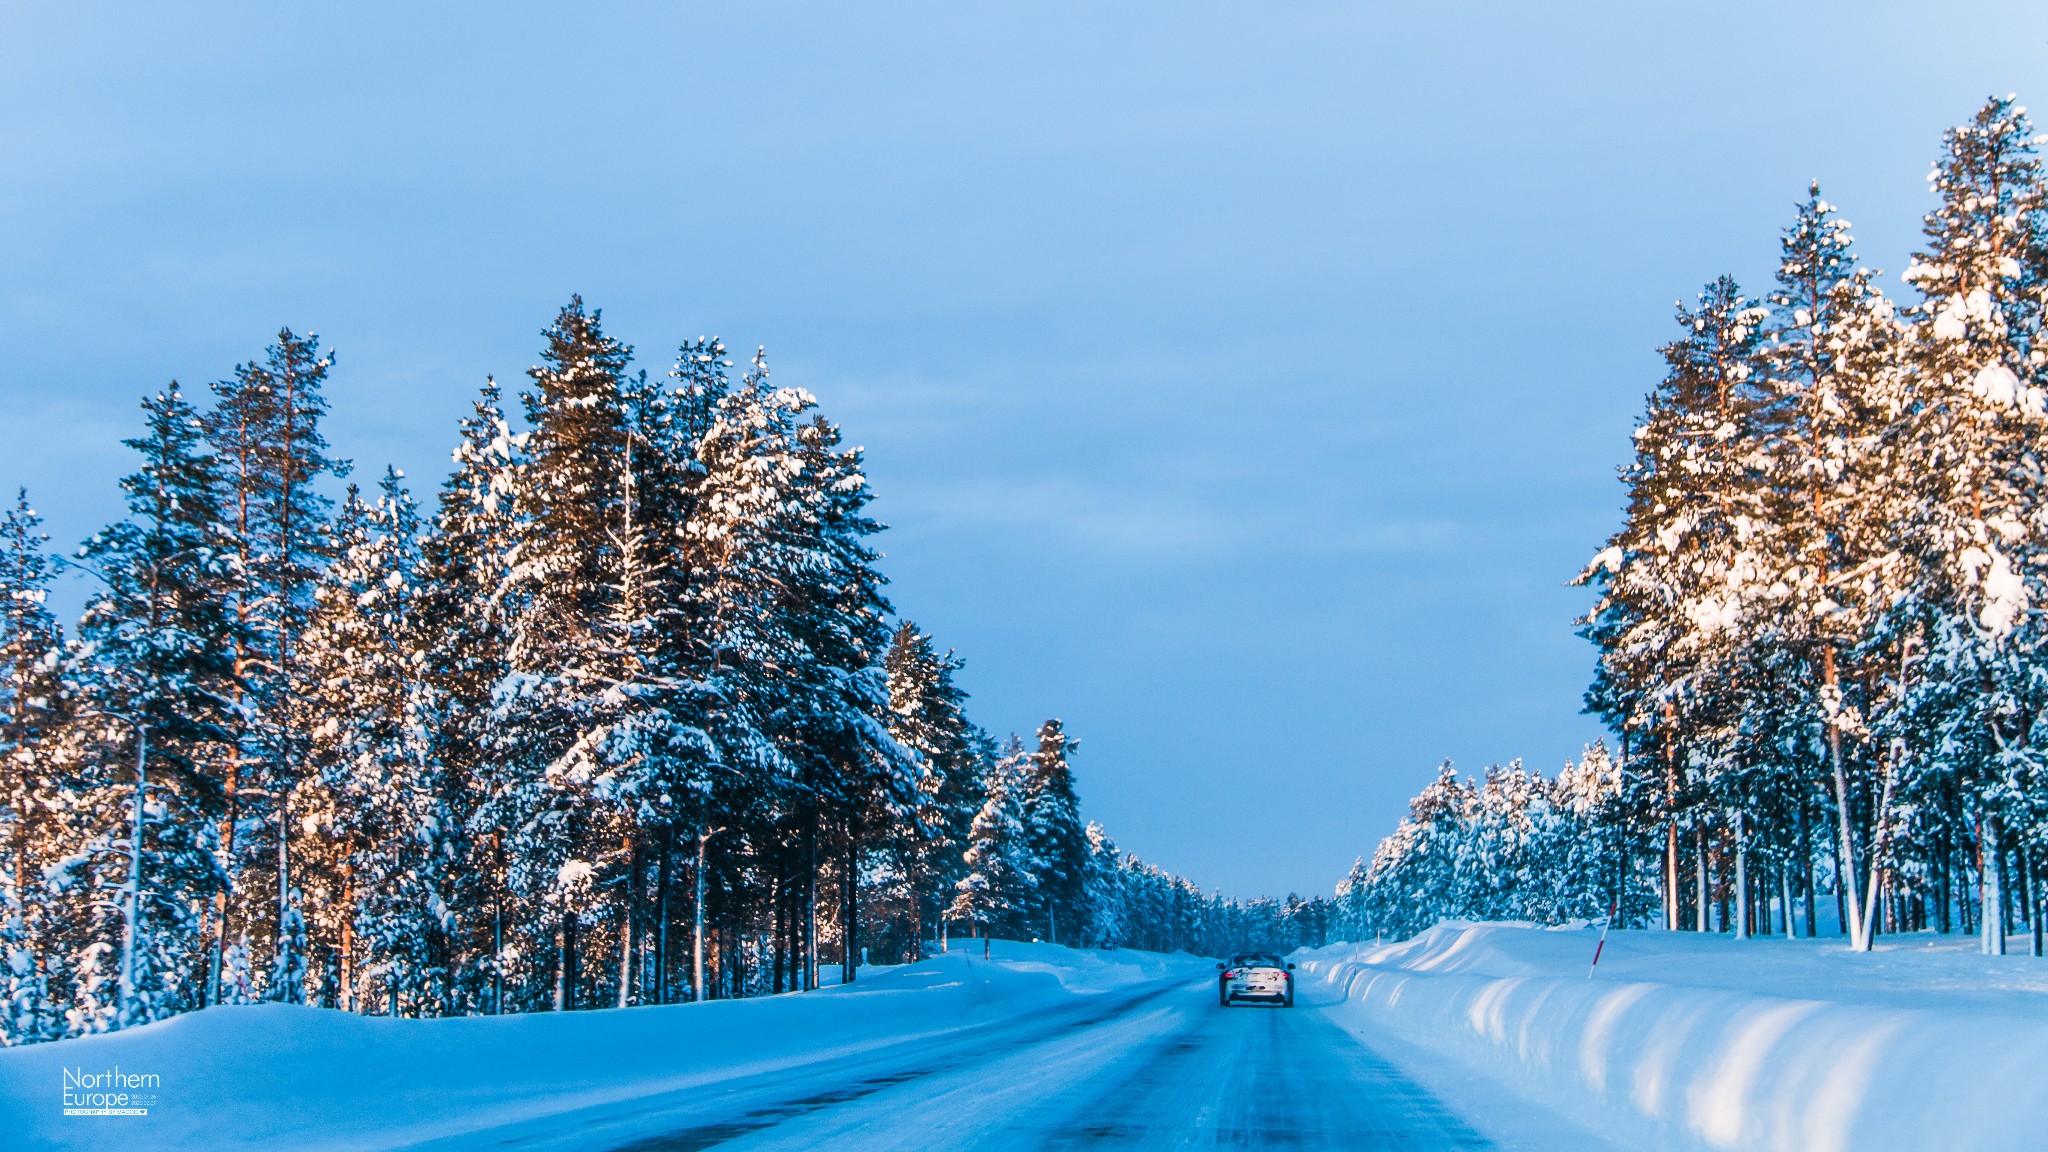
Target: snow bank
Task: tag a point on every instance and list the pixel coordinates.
(1694, 1042)
(268, 1076)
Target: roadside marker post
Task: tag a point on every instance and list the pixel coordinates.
(1604, 926)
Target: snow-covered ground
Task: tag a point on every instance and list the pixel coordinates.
(1689, 1041)
(268, 1076)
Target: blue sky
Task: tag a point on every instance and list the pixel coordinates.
(1242, 383)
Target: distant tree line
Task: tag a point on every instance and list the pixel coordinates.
(632, 674)
(1513, 845)
(1822, 645)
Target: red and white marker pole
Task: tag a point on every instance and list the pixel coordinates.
(1604, 925)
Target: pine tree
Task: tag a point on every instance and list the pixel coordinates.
(1832, 365)
(265, 429)
(1979, 363)
(927, 715)
(794, 605)
(561, 593)
(32, 711)
(1105, 898)
(999, 878)
(389, 849)
(156, 643)
(605, 726)
(464, 561)
(1678, 582)
(1057, 840)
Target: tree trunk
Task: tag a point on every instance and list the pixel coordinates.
(498, 956)
(565, 990)
(849, 917)
(2030, 877)
(1785, 899)
(1845, 876)
(498, 923)
(919, 879)
(1991, 916)
(347, 952)
(1741, 880)
(2040, 909)
(1702, 895)
(778, 928)
(222, 899)
(1880, 844)
(561, 953)
(1841, 899)
(661, 914)
(1671, 909)
(283, 949)
(628, 901)
(811, 905)
(2023, 890)
(1806, 859)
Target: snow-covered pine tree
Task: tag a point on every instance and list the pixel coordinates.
(1832, 365)
(794, 603)
(701, 386)
(265, 432)
(1971, 439)
(155, 651)
(1105, 898)
(842, 618)
(927, 714)
(1354, 919)
(999, 879)
(461, 621)
(1677, 581)
(601, 726)
(32, 711)
(378, 877)
(1057, 839)
(562, 590)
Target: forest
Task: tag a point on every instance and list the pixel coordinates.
(624, 717)
(1822, 654)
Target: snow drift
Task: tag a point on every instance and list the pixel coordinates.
(271, 1076)
(1694, 1042)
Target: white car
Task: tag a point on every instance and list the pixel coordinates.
(1255, 976)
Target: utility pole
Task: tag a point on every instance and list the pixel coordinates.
(131, 904)
(697, 945)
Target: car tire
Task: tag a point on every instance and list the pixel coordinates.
(1289, 1002)
(1223, 999)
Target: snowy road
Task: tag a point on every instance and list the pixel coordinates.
(1158, 1066)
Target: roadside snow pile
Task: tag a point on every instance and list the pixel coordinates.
(268, 1076)
(1690, 1041)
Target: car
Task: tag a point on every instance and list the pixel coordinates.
(1255, 977)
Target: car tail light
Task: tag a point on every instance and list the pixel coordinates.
(1232, 974)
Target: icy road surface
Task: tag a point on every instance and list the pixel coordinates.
(1157, 1066)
